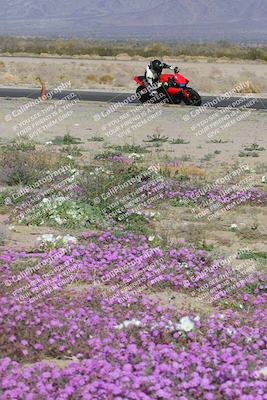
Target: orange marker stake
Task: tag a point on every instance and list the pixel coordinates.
(43, 92)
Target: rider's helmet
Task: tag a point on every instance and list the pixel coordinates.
(156, 66)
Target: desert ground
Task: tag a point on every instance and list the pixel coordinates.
(174, 316)
(206, 75)
(215, 154)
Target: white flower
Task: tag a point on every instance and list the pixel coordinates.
(49, 142)
(58, 220)
(233, 227)
(57, 241)
(45, 200)
(68, 238)
(263, 371)
(127, 323)
(70, 157)
(264, 179)
(48, 237)
(151, 238)
(230, 331)
(135, 155)
(248, 169)
(186, 324)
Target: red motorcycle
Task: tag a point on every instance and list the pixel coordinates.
(173, 88)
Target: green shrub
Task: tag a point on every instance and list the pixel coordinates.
(58, 211)
(253, 255)
(179, 202)
(23, 146)
(96, 139)
(157, 137)
(254, 147)
(66, 139)
(178, 141)
(248, 154)
(72, 151)
(129, 148)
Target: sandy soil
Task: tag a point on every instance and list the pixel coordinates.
(169, 121)
(207, 76)
(215, 159)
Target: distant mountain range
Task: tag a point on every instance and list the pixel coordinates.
(236, 20)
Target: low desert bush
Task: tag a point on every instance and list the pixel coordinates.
(23, 146)
(254, 147)
(96, 139)
(179, 141)
(91, 77)
(105, 79)
(71, 151)
(24, 168)
(67, 213)
(129, 148)
(157, 137)
(66, 139)
(109, 186)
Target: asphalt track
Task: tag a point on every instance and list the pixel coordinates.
(113, 97)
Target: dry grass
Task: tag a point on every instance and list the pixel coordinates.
(17, 167)
(91, 77)
(187, 170)
(250, 88)
(215, 77)
(106, 79)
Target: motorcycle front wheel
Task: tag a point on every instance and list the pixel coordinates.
(194, 99)
(142, 94)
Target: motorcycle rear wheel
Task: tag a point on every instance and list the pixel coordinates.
(194, 98)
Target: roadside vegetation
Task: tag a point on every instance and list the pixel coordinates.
(113, 48)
